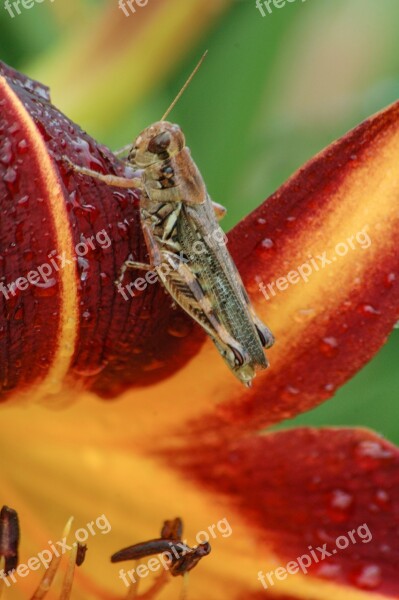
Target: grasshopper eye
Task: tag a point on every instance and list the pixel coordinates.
(160, 143)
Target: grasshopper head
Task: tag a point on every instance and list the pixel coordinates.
(156, 143)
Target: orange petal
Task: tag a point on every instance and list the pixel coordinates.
(271, 490)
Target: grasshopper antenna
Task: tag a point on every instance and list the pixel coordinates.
(185, 86)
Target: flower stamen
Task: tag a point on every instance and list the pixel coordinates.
(49, 575)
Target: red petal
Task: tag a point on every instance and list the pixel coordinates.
(343, 207)
(304, 488)
(76, 325)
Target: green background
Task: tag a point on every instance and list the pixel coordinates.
(277, 90)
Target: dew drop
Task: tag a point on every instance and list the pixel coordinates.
(288, 393)
(121, 199)
(6, 152)
(369, 454)
(90, 370)
(92, 212)
(10, 176)
(373, 450)
(14, 128)
(266, 244)
(22, 147)
(304, 314)
(46, 289)
(389, 280)
(123, 228)
(368, 311)
(290, 221)
(329, 346)
(329, 387)
(44, 362)
(24, 201)
(382, 499)
(367, 577)
(341, 504)
(329, 570)
(154, 365)
(82, 147)
(179, 327)
(84, 266)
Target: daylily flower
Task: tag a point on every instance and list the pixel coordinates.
(174, 433)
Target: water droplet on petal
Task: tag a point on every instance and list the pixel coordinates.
(267, 243)
(14, 128)
(382, 498)
(369, 454)
(288, 393)
(329, 570)
(368, 311)
(329, 346)
(10, 175)
(265, 246)
(179, 327)
(373, 450)
(367, 577)
(154, 365)
(90, 370)
(341, 504)
(22, 147)
(6, 152)
(304, 314)
(390, 280)
(24, 200)
(84, 266)
(121, 199)
(46, 288)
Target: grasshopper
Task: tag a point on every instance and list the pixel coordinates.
(186, 246)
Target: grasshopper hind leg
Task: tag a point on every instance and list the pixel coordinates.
(265, 335)
(237, 361)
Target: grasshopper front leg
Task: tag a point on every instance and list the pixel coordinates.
(153, 251)
(111, 180)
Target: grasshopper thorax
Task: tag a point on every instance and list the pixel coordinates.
(156, 143)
